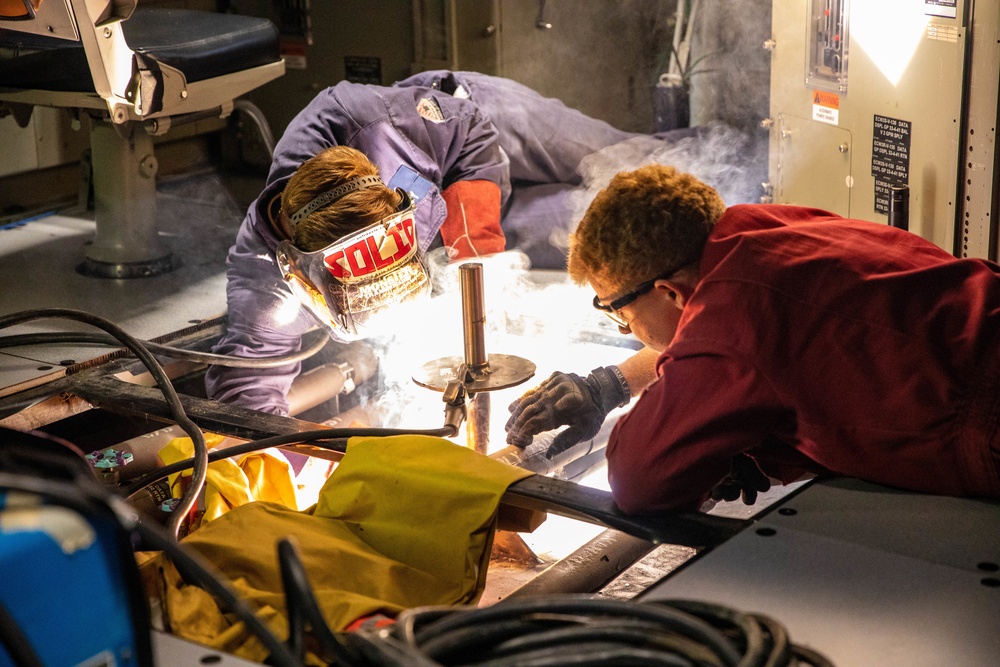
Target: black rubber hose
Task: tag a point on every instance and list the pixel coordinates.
(210, 358)
(574, 606)
(303, 610)
(591, 655)
(314, 438)
(15, 642)
(781, 648)
(578, 631)
(296, 619)
(200, 465)
(514, 641)
(756, 649)
(386, 651)
(622, 631)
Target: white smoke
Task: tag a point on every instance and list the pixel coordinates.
(719, 155)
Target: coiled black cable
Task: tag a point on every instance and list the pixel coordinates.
(578, 631)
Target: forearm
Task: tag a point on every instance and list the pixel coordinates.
(640, 369)
(263, 389)
(264, 320)
(679, 439)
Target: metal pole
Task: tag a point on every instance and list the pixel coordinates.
(473, 315)
(590, 568)
(477, 426)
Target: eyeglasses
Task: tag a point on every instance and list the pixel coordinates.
(611, 309)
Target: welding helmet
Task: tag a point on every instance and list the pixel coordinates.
(352, 286)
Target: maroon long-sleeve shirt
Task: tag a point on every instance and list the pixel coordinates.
(818, 343)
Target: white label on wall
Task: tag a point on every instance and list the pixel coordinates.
(826, 107)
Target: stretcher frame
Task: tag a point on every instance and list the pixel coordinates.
(116, 384)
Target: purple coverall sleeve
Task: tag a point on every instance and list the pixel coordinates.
(461, 144)
(383, 123)
(265, 320)
(479, 156)
(264, 317)
(543, 138)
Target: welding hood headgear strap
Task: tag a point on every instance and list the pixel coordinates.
(331, 196)
(351, 285)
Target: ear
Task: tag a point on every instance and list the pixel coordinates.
(676, 291)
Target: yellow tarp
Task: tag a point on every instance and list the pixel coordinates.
(402, 522)
(264, 475)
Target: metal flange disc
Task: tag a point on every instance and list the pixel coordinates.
(501, 371)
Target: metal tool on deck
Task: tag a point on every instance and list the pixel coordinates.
(466, 381)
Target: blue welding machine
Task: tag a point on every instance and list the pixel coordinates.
(69, 590)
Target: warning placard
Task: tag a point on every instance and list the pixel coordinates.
(890, 157)
(826, 107)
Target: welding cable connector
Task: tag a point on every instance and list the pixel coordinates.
(455, 407)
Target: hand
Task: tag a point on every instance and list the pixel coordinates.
(566, 398)
(745, 479)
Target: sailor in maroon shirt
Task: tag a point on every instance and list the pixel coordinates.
(807, 342)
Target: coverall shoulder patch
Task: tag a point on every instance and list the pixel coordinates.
(429, 109)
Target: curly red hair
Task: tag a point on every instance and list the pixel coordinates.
(645, 223)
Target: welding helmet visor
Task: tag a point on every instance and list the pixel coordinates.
(354, 285)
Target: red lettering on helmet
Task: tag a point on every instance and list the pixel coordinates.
(403, 234)
(376, 254)
(337, 264)
(365, 256)
(359, 258)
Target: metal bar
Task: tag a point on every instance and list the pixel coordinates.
(231, 420)
(317, 386)
(33, 409)
(477, 424)
(691, 529)
(473, 315)
(589, 568)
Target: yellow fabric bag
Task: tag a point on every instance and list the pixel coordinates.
(402, 522)
(264, 475)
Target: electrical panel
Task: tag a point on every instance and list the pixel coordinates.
(866, 96)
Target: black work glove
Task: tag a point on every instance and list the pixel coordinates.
(745, 479)
(567, 398)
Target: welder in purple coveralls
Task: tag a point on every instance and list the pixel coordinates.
(455, 143)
